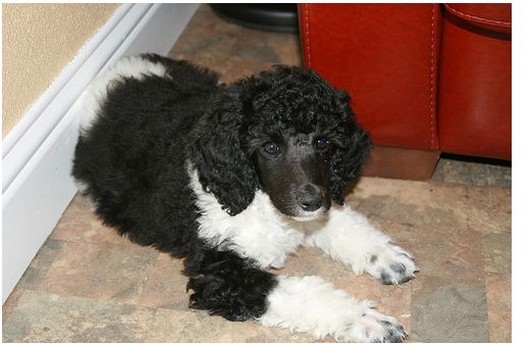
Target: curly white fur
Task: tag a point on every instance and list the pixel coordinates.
(309, 304)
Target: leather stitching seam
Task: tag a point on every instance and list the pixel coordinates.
(477, 18)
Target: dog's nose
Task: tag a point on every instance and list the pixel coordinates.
(310, 198)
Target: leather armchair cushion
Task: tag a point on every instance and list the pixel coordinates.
(474, 113)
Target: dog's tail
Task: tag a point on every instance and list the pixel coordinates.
(92, 99)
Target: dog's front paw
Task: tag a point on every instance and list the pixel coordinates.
(373, 327)
(391, 265)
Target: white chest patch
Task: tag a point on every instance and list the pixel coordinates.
(259, 232)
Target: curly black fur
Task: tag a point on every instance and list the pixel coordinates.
(134, 163)
(226, 285)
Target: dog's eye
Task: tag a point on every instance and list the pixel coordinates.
(321, 143)
(271, 148)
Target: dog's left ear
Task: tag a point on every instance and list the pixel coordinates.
(351, 150)
(224, 167)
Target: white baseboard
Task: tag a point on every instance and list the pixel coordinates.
(38, 151)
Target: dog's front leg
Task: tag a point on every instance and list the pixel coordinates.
(347, 236)
(309, 304)
(232, 287)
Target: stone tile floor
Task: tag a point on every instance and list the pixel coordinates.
(87, 284)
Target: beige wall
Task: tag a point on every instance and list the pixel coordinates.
(38, 41)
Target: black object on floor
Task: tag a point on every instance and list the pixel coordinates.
(267, 17)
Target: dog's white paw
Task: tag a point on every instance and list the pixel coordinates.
(372, 327)
(390, 264)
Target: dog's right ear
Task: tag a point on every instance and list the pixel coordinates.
(223, 166)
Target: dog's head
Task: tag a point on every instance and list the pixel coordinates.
(286, 132)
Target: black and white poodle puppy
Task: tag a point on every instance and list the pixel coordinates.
(233, 178)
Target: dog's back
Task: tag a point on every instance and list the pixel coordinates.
(136, 120)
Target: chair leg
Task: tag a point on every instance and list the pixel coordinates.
(400, 163)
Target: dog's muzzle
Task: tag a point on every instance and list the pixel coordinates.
(312, 201)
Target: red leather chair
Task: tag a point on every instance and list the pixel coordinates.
(424, 78)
